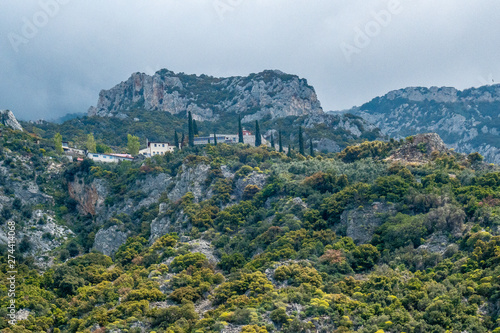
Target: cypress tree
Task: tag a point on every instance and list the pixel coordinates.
(272, 141)
(311, 151)
(258, 139)
(176, 140)
(280, 142)
(195, 128)
(183, 138)
(190, 130)
(215, 139)
(289, 154)
(240, 130)
(301, 142)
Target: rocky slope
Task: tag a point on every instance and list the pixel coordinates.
(8, 119)
(467, 120)
(269, 93)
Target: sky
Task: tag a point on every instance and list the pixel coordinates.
(56, 55)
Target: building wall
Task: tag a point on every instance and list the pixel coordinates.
(96, 157)
(103, 158)
(160, 148)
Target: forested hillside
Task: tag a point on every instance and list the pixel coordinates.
(398, 236)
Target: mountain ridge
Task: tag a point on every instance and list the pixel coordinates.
(270, 93)
(467, 120)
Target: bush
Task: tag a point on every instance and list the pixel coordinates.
(364, 257)
(191, 259)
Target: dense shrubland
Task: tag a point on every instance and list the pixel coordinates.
(284, 264)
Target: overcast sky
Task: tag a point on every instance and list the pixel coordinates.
(56, 55)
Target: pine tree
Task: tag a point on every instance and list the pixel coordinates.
(301, 142)
(195, 128)
(272, 141)
(176, 140)
(215, 139)
(240, 130)
(311, 149)
(280, 142)
(190, 130)
(258, 139)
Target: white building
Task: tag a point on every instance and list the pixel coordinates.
(221, 138)
(72, 151)
(248, 138)
(157, 148)
(109, 158)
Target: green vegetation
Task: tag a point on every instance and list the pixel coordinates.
(190, 130)
(258, 139)
(133, 145)
(286, 254)
(91, 144)
(58, 143)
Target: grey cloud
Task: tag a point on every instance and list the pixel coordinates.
(90, 45)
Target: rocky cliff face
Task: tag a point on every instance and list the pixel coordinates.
(8, 119)
(90, 197)
(360, 223)
(419, 149)
(269, 93)
(467, 120)
(107, 241)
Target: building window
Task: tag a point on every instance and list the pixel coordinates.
(163, 145)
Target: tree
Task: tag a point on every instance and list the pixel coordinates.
(364, 257)
(91, 144)
(215, 139)
(311, 148)
(58, 143)
(289, 154)
(195, 128)
(190, 130)
(101, 148)
(258, 139)
(280, 142)
(272, 141)
(301, 142)
(133, 144)
(475, 157)
(176, 140)
(183, 139)
(240, 130)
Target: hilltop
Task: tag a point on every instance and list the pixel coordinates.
(270, 93)
(153, 107)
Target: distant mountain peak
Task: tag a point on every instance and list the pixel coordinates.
(467, 120)
(270, 93)
(488, 93)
